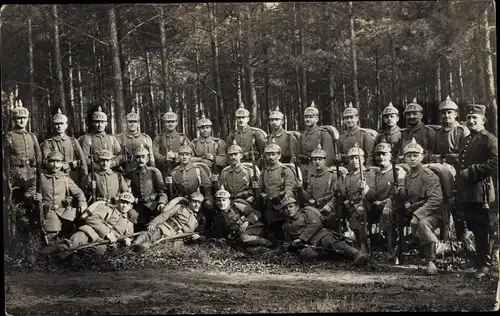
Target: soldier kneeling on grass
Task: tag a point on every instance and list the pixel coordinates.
(103, 221)
(173, 221)
(303, 229)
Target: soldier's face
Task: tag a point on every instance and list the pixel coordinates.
(105, 164)
(141, 160)
(132, 126)
(234, 158)
(413, 117)
(242, 121)
(310, 120)
(413, 159)
(195, 205)
(60, 128)
(290, 210)
(100, 125)
(124, 206)
(184, 158)
(391, 119)
(55, 165)
(21, 122)
(223, 203)
(475, 122)
(318, 162)
(275, 123)
(351, 121)
(383, 159)
(448, 116)
(272, 157)
(171, 125)
(205, 131)
(356, 162)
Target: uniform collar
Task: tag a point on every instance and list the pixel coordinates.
(321, 172)
(62, 137)
(415, 174)
(312, 129)
(20, 131)
(392, 130)
(56, 175)
(187, 167)
(207, 140)
(133, 135)
(417, 127)
(481, 131)
(275, 166)
(107, 172)
(237, 168)
(244, 129)
(280, 132)
(142, 170)
(100, 134)
(353, 131)
(452, 126)
(172, 134)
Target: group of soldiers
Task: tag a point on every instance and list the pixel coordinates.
(304, 191)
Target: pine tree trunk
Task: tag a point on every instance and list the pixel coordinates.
(331, 94)
(450, 79)
(462, 100)
(152, 125)
(354, 62)
(303, 70)
(59, 71)
(438, 82)
(81, 104)
(480, 77)
(393, 73)
(250, 71)
(34, 120)
(165, 72)
(119, 105)
(74, 116)
(295, 45)
(490, 77)
(239, 48)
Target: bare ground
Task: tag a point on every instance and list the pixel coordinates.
(160, 290)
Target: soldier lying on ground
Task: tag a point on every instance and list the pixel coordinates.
(173, 221)
(238, 223)
(102, 221)
(303, 228)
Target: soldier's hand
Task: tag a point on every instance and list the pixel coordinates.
(128, 241)
(208, 156)
(244, 226)
(111, 236)
(326, 209)
(171, 155)
(160, 207)
(65, 166)
(386, 211)
(464, 174)
(377, 203)
(151, 228)
(195, 236)
(255, 185)
(37, 197)
(297, 242)
(214, 178)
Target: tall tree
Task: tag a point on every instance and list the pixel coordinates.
(250, 70)
(353, 55)
(167, 99)
(59, 70)
(490, 77)
(32, 105)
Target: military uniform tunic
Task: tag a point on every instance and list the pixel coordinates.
(109, 220)
(167, 142)
(129, 142)
(276, 181)
(24, 154)
(244, 138)
(108, 184)
(448, 141)
(188, 179)
(321, 187)
(309, 140)
(72, 153)
(147, 184)
(391, 136)
(100, 141)
(349, 138)
(287, 142)
(237, 180)
(306, 226)
(424, 135)
(210, 145)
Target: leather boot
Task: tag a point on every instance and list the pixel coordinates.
(431, 256)
(484, 267)
(359, 257)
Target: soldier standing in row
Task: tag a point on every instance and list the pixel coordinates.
(208, 149)
(166, 145)
(424, 135)
(477, 163)
(250, 139)
(146, 183)
(353, 134)
(60, 198)
(423, 196)
(286, 140)
(276, 181)
(99, 140)
(391, 133)
(132, 139)
(75, 163)
(310, 138)
(25, 154)
(108, 182)
(237, 177)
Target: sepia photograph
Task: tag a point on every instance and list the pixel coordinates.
(254, 157)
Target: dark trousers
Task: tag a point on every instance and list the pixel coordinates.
(477, 219)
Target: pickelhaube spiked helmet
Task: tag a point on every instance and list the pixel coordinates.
(196, 196)
(132, 116)
(383, 147)
(311, 110)
(272, 147)
(287, 200)
(203, 121)
(390, 109)
(20, 111)
(99, 115)
(276, 114)
(241, 111)
(141, 151)
(234, 148)
(185, 148)
(104, 154)
(222, 193)
(319, 152)
(55, 155)
(59, 117)
(127, 197)
(448, 104)
(413, 147)
(413, 107)
(170, 115)
(355, 151)
(350, 111)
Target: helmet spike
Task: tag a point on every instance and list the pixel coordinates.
(242, 106)
(313, 105)
(350, 105)
(234, 142)
(414, 100)
(390, 104)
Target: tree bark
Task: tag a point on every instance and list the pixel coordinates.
(478, 62)
(438, 82)
(295, 44)
(462, 100)
(450, 79)
(302, 46)
(393, 73)
(490, 77)
(331, 94)
(59, 71)
(250, 71)
(152, 126)
(353, 53)
(74, 116)
(239, 49)
(265, 111)
(81, 107)
(34, 121)
(167, 98)
(119, 104)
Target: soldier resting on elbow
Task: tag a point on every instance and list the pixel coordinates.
(303, 229)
